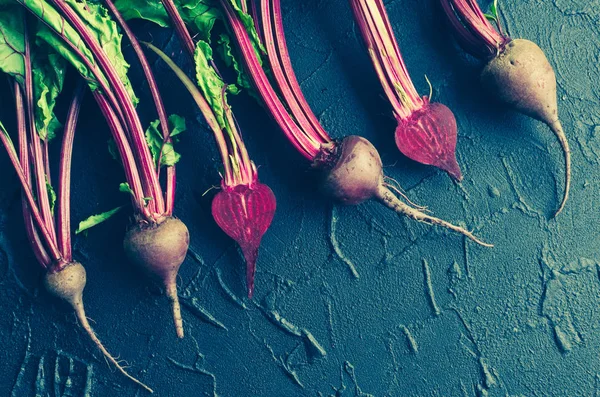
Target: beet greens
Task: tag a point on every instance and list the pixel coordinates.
(517, 71)
(426, 131)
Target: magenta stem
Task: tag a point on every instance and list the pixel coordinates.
(149, 178)
(64, 175)
(158, 104)
(39, 168)
(475, 33)
(305, 111)
(126, 154)
(35, 213)
(379, 37)
(34, 239)
(278, 111)
(179, 26)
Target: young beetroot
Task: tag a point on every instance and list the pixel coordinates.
(351, 168)
(244, 208)
(426, 131)
(76, 30)
(517, 70)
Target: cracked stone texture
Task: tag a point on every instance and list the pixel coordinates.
(349, 301)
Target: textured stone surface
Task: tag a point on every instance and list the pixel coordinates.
(349, 301)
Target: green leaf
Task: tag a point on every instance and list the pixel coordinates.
(200, 17)
(210, 83)
(125, 188)
(200, 14)
(95, 220)
(50, 16)
(48, 71)
(103, 28)
(106, 32)
(493, 14)
(176, 125)
(225, 51)
(12, 41)
(152, 11)
(51, 195)
(155, 141)
(248, 23)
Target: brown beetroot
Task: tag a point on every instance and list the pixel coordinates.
(68, 284)
(517, 70)
(522, 77)
(160, 249)
(354, 174)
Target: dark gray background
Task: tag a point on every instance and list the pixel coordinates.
(521, 319)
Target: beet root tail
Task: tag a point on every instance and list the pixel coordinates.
(557, 128)
(171, 292)
(80, 313)
(251, 255)
(391, 201)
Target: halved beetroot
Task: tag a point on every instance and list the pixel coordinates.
(244, 213)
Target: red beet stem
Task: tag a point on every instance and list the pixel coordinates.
(179, 26)
(279, 58)
(158, 104)
(298, 137)
(34, 238)
(41, 178)
(64, 175)
(149, 178)
(129, 166)
(378, 34)
(473, 30)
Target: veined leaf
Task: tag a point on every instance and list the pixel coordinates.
(48, 71)
(152, 11)
(106, 32)
(164, 153)
(12, 41)
(95, 220)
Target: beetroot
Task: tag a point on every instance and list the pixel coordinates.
(426, 131)
(517, 70)
(160, 249)
(351, 168)
(245, 213)
(429, 137)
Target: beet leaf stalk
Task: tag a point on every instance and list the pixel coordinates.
(516, 71)
(351, 168)
(86, 36)
(38, 75)
(426, 131)
(244, 208)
